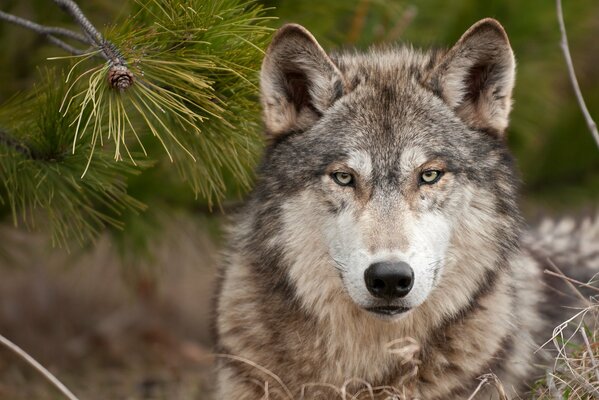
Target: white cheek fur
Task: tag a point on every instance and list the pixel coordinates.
(429, 240)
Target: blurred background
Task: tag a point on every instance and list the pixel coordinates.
(126, 315)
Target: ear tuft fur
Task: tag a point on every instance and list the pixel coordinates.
(298, 81)
(476, 77)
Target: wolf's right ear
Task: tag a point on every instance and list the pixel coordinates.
(298, 81)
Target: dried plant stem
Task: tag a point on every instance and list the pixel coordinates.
(31, 361)
(566, 50)
(590, 389)
(487, 379)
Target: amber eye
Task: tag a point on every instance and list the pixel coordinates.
(342, 178)
(430, 176)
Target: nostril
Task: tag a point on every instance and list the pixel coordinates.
(378, 284)
(404, 283)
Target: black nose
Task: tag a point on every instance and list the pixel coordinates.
(389, 280)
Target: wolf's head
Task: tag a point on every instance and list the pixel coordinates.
(387, 179)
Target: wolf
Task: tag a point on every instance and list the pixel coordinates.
(382, 253)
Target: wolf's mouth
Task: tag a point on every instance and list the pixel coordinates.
(388, 310)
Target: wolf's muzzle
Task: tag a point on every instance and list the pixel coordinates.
(389, 280)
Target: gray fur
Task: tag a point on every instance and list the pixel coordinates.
(292, 299)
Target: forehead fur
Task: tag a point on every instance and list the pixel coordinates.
(383, 66)
(388, 95)
(389, 110)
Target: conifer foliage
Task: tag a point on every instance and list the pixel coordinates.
(172, 83)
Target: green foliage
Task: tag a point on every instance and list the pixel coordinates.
(191, 108)
(194, 65)
(47, 181)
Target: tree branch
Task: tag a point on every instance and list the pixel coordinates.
(74, 11)
(91, 35)
(44, 30)
(119, 75)
(49, 32)
(566, 50)
(65, 46)
(31, 361)
(109, 51)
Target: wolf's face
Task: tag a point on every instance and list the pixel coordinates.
(376, 160)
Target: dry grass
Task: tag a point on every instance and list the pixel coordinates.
(575, 372)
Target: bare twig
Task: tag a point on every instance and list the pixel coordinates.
(44, 30)
(49, 31)
(65, 46)
(119, 75)
(108, 49)
(566, 50)
(572, 281)
(74, 11)
(31, 361)
(91, 35)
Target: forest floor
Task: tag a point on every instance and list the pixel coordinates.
(104, 326)
(118, 328)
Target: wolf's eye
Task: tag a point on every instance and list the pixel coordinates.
(342, 178)
(431, 176)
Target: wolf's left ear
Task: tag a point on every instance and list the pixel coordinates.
(476, 77)
(298, 81)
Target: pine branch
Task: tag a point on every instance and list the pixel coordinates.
(71, 148)
(196, 76)
(39, 177)
(566, 50)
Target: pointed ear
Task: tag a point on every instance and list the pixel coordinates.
(298, 81)
(476, 77)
